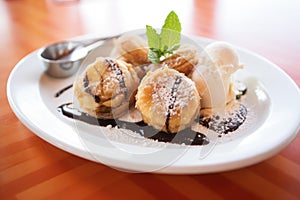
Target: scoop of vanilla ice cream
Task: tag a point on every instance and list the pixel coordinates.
(213, 75)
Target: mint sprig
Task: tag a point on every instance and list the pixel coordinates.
(164, 44)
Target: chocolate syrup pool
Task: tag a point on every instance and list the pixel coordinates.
(186, 136)
(221, 125)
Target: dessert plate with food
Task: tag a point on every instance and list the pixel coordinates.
(157, 101)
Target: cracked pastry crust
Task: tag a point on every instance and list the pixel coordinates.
(168, 100)
(183, 60)
(132, 49)
(106, 88)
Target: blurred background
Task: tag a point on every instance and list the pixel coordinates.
(268, 27)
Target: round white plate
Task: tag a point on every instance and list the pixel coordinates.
(272, 123)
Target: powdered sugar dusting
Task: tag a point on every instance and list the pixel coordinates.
(116, 76)
(170, 94)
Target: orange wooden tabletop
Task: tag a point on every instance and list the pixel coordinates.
(30, 168)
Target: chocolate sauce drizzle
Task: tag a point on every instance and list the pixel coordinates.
(173, 100)
(119, 75)
(87, 89)
(60, 92)
(186, 136)
(227, 124)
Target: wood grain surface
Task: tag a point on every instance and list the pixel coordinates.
(30, 168)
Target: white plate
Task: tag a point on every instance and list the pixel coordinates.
(273, 122)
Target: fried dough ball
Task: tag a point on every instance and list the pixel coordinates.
(183, 60)
(168, 100)
(106, 88)
(132, 49)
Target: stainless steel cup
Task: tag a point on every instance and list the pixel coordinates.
(56, 60)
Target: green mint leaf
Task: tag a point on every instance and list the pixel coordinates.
(172, 22)
(170, 34)
(153, 37)
(162, 45)
(174, 47)
(154, 55)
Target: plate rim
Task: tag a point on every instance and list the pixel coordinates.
(190, 169)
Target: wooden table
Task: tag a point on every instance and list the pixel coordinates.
(30, 168)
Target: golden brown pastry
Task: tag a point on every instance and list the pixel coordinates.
(106, 88)
(168, 100)
(132, 49)
(183, 60)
